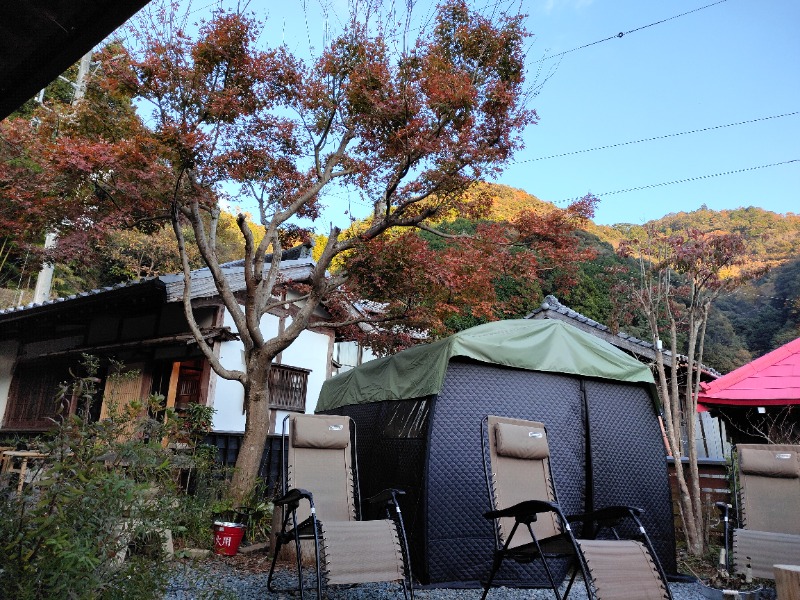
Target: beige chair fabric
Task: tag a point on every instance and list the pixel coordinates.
(520, 470)
(622, 570)
(320, 460)
(516, 479)
(322, 466)
(769, 488)
(362, 551)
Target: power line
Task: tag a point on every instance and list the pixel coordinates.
(650, 139)
(624, 33)
(686, 180)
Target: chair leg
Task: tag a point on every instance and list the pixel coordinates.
(498, 559)
(544, 562)
(398, 518)
(584, 569)
(496, 562)
(314, 524)
(279, 541)
(571, 581)
(550, 578)
(410, 587)
(299, 560)
(272, 566)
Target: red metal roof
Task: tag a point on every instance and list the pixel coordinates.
(773, 379)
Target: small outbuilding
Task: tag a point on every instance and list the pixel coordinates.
(759, 400)
(418, 415)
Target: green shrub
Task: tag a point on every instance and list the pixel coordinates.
(106, 487)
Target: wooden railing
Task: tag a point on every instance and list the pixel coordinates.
(287, 388)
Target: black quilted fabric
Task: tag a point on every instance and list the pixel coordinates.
(460, 540)
(442, 470)
(628, 460)
(385, 461)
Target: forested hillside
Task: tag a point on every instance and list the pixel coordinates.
(745, 324)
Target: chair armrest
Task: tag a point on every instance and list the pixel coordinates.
(387, 496)
(607, 514)
(528, 508)
(292, 498)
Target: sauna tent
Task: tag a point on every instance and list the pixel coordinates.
(418, 417)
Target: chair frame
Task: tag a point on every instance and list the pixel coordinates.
(309, 528)
(731, 514)
(526, 512)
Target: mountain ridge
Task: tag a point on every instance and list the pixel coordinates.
(772, 238)
(756, 318)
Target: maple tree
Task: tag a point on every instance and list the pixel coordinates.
(79, 169)
(410, 129)
(680, 276)
(409, 126)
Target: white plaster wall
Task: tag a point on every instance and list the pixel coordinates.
(367, 355)
(309, 351)
(350, 355)
(8, 357)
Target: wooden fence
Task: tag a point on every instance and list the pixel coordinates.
(228, 444)
(714, 487)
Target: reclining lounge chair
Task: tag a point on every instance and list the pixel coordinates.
(530, 526)
(769, 521)
(320, 503)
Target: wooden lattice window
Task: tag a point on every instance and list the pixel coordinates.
(131, 385)
(31, 399)
(287, 388)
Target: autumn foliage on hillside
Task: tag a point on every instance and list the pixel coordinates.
(474, 272)
(769, 239)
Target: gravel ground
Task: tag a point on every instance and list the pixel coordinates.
(245, 579)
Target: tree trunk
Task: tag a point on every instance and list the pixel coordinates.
(672, 422)
(256, 402)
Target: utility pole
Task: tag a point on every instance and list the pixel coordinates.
(44, 281)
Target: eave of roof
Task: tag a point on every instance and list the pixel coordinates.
(202, 287)
(34, 309)
(40, 39)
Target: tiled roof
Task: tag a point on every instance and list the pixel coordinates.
(301, 252)
(295, 269)
(95, 292)
(203, 285)
(552, 308)
(552, 303)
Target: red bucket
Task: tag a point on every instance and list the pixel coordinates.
(227, 537)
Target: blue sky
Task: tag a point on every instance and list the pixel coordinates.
(731, 62)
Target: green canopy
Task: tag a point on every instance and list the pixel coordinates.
(535, 345)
